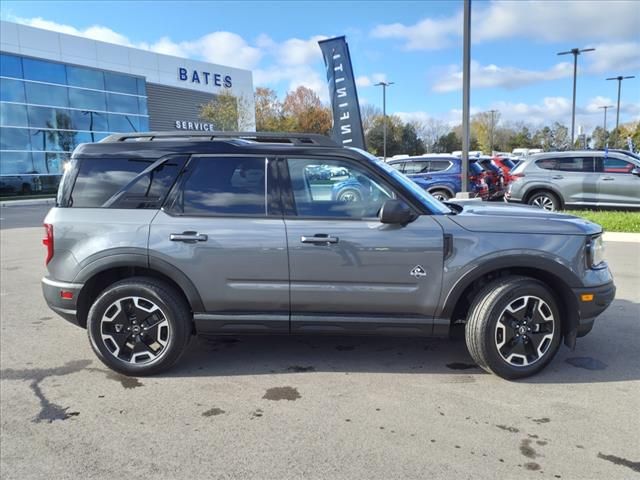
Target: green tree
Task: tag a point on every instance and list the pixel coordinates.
(375, 136)
(222, 111)
(520, 139)
(599, 138)
(448, 143)
(269, 116)
(411, 144)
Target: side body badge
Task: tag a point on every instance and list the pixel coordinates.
(418, 272)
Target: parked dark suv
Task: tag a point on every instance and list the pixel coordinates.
(158, 236)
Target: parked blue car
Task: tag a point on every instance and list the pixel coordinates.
(438, 175)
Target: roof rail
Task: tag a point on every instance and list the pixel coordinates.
(298, 139)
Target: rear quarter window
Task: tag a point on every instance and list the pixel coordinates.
(97, 181)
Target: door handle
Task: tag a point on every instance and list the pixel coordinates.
(188, 237)
(608, 179)
(557, 177)
(319, 239)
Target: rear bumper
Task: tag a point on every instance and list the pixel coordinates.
(53, 290)
(603, 295)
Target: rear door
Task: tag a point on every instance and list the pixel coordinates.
(349, 272)
(222, 228)
(576, 178)
(616, 184)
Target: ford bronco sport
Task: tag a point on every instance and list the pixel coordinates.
(159, 236)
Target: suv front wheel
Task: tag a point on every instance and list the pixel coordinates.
(545, 200)
(139, 326)
(514, 327)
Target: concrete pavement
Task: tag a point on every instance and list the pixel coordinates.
(313, 407)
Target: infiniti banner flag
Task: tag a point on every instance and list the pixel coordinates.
(347, 125)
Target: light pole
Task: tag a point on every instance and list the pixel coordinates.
(575, 52)
(604, 126)
(384, 86)
(619, 78)
(466, 95)
(492, 112)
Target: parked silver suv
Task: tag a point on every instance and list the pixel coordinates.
(156, 237)
(592, 178)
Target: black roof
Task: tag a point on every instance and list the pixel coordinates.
(158, 144)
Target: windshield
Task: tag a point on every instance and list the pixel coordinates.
(425, 198)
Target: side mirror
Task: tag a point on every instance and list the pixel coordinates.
(636, 171)
(395, 212)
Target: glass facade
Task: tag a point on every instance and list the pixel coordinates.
(48, 108)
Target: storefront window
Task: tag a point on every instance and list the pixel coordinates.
(44, 71)
(10, 66)
(123, 123)
(14, 139)
(122, 103)
(87, 99)
(11, 90)
(42, 94)
(115, 82)
(13, 114)
(85, 77)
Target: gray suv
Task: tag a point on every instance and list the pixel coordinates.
(583, 178)
(159, 236)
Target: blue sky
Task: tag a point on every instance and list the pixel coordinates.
(417, 45)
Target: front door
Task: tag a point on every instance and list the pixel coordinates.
(223, 230)
(617, 186)
(349, 272)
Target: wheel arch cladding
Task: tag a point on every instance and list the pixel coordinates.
(558, 279)
(97, 280)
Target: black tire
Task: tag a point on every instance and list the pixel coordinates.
(484, 336)
(545, 200)
(349, 195)
(167, 332)
(441, 195)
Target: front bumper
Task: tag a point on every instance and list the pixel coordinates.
(62, 298)
(588, 309)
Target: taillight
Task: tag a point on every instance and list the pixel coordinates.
(47, 241)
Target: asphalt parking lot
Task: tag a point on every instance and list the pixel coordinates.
(312, 407)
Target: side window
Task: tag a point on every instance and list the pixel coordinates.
(100, 180)
(416, 167)
(354, 193)
(615, 165)
(546, 164)
(223, 186)
(439, 165)
(575, 164)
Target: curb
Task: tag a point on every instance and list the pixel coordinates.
(28, 201)
(621, 237)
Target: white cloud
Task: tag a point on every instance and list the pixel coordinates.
(368, 81)
(295, 51)
(614, 58)
(427, 34)
(414, 116)
(94, 32)
(489, 76)
(549, 21)
(559, 20)
(225, 48)
(303, 75)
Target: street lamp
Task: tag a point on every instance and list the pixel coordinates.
(619, 78)
(575, 52)
(492, 112)
(605, 118)
(384, 86)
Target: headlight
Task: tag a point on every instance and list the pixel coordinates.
(595, 252)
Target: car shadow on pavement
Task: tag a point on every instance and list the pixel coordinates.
(605, 355)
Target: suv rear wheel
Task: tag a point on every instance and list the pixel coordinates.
(441, 195)
(545, 200)
(139, 326)
(514, 327)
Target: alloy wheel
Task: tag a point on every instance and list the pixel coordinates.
(544, 202)
(135, 330)
(524, 331)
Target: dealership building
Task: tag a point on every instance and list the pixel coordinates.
(60, 90)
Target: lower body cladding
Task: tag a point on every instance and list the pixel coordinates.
(315, 323)
(62, 298)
